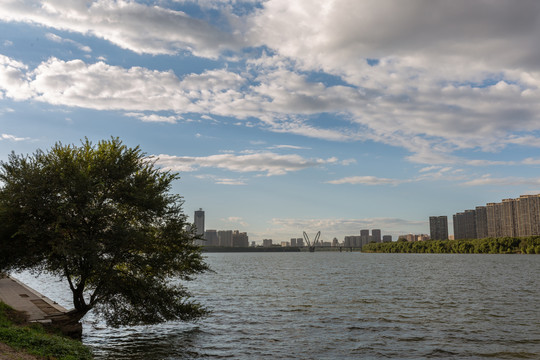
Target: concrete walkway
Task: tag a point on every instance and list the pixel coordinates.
(38, 307)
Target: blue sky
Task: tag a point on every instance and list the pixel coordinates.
(289, 116)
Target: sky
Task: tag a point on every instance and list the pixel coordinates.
(288, 116)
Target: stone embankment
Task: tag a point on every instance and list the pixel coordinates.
(37, 307)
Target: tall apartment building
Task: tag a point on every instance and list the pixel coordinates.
(376, 235)
(481, 222)
(240, 239)
(225, 238)
(267, 242)
(364, 236)
(510, 217)
(438, 227)
(352, 241)
(211, 238)
(387, 238)
(198, 222)
(494, 211)
(528, 215)
(465, 225)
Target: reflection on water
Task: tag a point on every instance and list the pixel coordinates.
(330, 305)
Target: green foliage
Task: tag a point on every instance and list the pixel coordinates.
(36, 341)
(506, 245)
(101, 216)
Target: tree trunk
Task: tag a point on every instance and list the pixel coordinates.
(69, 323)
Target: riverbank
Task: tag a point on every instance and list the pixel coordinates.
(505, 245)
(20, 339)
(37, 307)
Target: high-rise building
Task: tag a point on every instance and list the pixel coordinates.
(267, 242)
(508, 217)
(199, 225)
(494, 222)
(240, 239)
(376, 235)
(387, 238)
(438, 227)
(211, 238)
(225, 238)
(528, 215)
(364, 237)
(352, 241)
(465, 225)
(481, 222)
(293, 241)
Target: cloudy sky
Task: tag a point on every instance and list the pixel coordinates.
(288, 116)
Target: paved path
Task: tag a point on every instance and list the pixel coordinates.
(22, 298)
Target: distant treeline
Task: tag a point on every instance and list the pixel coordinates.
(504, 245)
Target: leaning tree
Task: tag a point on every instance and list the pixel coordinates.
(101, 217)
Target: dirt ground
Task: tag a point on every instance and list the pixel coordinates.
(8, 353)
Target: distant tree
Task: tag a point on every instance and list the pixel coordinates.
(102, 218)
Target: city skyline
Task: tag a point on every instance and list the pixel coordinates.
(282, 117)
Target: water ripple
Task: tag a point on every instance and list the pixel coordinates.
(368, 306)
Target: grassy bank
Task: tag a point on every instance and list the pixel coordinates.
(505, 245)
(35, 340)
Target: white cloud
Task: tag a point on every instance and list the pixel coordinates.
(294, 147)
(12, 137)
(433, 75)
(265, 162)
(433, 85)
(429, 168)
(527, 140)
(508, 181)
(58, 39)
(234, 220)
(104, 87)
(488, 162)
(343, 34)
(531, 161)
(347, 162)
(366, 180)
(222, 181)
(155, 118)
(440, 173)
(222, 92)
(13, 81)
(165, 31)
(235, 182)
(6, 110)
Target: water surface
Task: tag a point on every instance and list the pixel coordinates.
(331, 305)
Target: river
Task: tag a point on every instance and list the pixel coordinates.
(331, 305)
